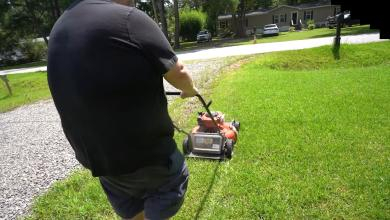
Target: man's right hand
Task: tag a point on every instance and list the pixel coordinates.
(179, 77)
(187, 94)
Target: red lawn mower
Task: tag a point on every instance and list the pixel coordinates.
(212, 138)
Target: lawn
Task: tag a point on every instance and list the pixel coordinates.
(283, 36)
(314, 143)
(26, 65)
(26, 89)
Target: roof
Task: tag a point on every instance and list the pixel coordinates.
(314, 4)
(261, 11)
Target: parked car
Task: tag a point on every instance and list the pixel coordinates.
(204, 35)
(271, 29)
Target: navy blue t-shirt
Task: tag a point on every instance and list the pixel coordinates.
(105, 71)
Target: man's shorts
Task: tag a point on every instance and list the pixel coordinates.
(157, 190)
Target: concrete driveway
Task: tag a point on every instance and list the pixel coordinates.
(248, 49)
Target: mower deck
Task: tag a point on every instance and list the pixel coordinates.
(205, 156)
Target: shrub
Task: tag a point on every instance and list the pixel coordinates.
(33, 51)
(291, 29)
(191, 22)
(310, 24)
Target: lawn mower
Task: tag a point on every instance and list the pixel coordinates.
(212, 138)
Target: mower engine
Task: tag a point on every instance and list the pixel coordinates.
(212, 138)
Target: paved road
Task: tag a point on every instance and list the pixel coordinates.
(249, 49)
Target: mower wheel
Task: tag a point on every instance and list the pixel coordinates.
(186, 146)
(229, 145)
(236, 124)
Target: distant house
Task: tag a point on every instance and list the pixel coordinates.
(284, 16)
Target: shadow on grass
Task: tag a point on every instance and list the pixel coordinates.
(336, 51)
(204, 199)
(5, 97)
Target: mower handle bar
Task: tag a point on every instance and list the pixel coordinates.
(199, 96)
(206, 106)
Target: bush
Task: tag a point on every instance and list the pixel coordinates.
(8, 45)
(310, 24)
(191, 22)
(291, 29)
(33, 51)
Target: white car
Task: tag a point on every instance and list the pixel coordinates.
(271, 29)
(203, 36)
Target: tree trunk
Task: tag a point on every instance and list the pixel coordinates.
(241, 20)
(240, 26)
(155, 11)
(6, 81)
(163, 19)
(177, 23)
(46, 40)
(53, 10)
(234, 23)
(57, 9)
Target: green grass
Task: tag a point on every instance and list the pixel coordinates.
(34, 64)
(283, 36)
(65, 199)
(314, 143)
(26, 89)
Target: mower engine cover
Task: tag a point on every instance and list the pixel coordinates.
(207, 143)
(210, 141)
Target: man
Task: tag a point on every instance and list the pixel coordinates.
(106, 65)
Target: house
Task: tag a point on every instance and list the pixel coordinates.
(284, 16)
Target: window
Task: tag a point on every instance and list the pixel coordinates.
(308, 15)
(222, 24)
(336, 10)
(275, 19)
(283, 18)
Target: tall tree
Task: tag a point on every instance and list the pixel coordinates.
(155, 11)
(193, 4)
(264, 4)
(177, 23)
(239, 18)
(163, 19)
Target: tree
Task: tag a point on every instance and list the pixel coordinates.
(31, 18)
(163, 19)
(265, 3)
(191, 22)
(8, 38)
(193, 4)
(214, 8)
(155, 11)
(177, 23)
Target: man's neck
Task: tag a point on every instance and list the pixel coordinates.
(125, 2)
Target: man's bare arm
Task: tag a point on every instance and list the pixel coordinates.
(178, 77)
